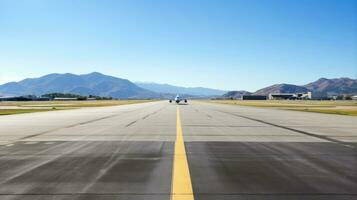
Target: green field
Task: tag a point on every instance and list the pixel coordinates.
(329, 107)
(18, 107)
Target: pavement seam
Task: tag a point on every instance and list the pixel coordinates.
(149, 194)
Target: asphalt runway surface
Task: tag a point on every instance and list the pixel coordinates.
(129, 152)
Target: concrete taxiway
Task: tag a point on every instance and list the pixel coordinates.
(146, 151)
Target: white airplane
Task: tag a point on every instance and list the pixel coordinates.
(178, 99)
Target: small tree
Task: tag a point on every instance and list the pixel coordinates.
(348, 97)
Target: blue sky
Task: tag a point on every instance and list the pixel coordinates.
(228, 44)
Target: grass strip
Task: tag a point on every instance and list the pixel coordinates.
(327, 107)
(21, 111)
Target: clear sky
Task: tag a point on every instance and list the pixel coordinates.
(224, 44)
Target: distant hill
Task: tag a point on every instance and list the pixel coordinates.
(281, 88)
(321, 88)
(166, 88)
(235, 94)
(87, 84)
(336, 86)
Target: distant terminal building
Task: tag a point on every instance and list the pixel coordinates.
(254, 97)
(354, 97)
(65, 99)
(286, 96)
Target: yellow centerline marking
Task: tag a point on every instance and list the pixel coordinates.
(181, 188)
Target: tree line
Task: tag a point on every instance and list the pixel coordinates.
(70, 95)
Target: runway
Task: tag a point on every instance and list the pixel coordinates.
(131, 151)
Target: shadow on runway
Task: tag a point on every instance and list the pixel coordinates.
(182, 104)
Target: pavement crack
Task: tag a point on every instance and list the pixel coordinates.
(70, 126)
(230, 126)
(145, 117)
(65, 127)
(198, 111)
(131, 123)
(293, 129)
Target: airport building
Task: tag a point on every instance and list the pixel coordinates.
(254, 97)
(286, 96)
(65, 99)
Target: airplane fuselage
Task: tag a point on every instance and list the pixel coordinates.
(178, 99)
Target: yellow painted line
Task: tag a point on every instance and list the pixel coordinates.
(181, 188)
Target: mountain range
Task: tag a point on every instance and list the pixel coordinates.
(281, 88)
(103, 85)
(100, 85)
(323, 87)
(94, 83)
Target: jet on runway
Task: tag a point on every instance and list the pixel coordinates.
(178, 99)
